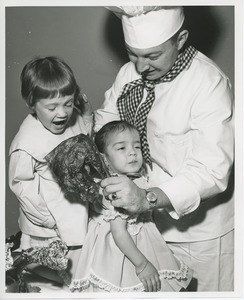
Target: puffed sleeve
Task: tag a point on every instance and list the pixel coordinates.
(24, 182)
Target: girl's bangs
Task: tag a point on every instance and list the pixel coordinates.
(54, 89)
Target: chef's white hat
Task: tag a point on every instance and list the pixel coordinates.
(152, 28)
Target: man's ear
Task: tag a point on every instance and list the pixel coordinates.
(182, 38)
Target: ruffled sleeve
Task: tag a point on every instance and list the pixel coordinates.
(134, 222)
(133, 226)
(112, 214)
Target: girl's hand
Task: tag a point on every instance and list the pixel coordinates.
(81, 102)
(149, 277)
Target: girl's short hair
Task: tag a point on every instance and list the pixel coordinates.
(101, 137)
(47, 77)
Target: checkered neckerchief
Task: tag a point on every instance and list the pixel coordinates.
(132, 94)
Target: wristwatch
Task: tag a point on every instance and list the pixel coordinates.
(152, 198)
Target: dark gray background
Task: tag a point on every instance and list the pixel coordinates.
(90, 40)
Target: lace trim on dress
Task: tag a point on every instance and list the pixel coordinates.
(82, 284)
(93, 279)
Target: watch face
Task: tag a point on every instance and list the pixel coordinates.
(151, 197)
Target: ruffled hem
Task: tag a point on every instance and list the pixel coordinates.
(83, 284)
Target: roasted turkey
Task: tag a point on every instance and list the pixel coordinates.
(78, 167)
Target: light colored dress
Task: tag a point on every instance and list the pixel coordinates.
(102, 267)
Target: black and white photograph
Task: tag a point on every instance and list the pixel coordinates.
(121, 149)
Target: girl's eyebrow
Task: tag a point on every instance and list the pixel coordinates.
(57, 102)
(70, 99)
(50, 104)
(124, 142)
(117, 143)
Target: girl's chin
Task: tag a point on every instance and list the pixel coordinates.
(57, 130)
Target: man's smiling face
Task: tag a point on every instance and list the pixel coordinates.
(153, 63)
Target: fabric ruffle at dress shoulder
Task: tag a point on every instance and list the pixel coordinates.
(102, 267)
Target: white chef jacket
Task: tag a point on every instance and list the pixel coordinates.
(42, 203)
(190, 135)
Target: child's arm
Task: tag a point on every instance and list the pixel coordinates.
(24, 182)
(145, 271)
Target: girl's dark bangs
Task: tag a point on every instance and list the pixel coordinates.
(54, 89)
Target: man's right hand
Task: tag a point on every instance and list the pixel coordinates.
(128, 195)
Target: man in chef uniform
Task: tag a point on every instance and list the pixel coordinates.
(182, 104)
